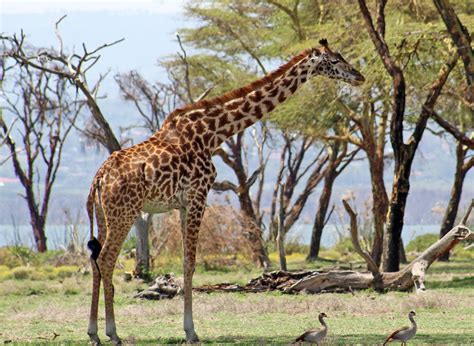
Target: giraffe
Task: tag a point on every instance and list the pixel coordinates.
(173, 170)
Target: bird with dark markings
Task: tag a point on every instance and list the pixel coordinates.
(315, 336)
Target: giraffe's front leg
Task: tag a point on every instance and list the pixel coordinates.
(188, 323)
(190, 223)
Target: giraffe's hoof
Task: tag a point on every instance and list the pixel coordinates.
(191, 338)
(94, 339)
(116, 341)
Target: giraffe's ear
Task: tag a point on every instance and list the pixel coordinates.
(324, 42)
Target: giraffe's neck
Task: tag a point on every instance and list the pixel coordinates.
(223, 121)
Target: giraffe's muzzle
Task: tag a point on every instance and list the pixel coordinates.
(358, 78)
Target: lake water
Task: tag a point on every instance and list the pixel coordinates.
(58, 236)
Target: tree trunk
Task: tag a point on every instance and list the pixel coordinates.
(379, 206)
(255, 234)
(255, 238)
(280, 239)
(400, 189)
(37, 221)
(142, 256)
(456, 190)
(39, 235)
(320, 218)
(403, 256)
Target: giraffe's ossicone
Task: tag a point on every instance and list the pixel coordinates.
(173, 170)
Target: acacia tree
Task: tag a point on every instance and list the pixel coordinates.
(404, 152)
(457, 121)
(462, 39)
(44, 114)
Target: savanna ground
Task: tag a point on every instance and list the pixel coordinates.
(50, 304)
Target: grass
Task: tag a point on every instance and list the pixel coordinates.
(35, 310)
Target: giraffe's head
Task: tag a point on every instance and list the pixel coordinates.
(332, 65)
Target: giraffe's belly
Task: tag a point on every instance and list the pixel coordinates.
(159, 206)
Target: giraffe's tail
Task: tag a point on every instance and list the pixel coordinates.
(93, 244)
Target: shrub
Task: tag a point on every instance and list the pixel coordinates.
(71, 292)
(344, 246)
(5, 273)
(460, 253)
(222, 239)
(10, 256)
(22, 273)
(422, 242)
(293, 246)
(65, 271)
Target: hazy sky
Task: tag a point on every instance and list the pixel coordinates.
(148, 26)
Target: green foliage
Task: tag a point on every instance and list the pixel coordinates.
(65, 271)
(14, 256)
(293, 247)
(22, 273)
(21, 263)
(237, 42)
(37, 273)
(129, 244)
(344, 246)
(421, 242)
(460, 253)
(424, 241)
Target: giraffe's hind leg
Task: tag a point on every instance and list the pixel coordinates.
(117, 230)
(92, 329)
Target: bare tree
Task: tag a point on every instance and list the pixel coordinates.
(234, 156)
(44, 114)
(72, 68)
(298, 177)
(338, 160)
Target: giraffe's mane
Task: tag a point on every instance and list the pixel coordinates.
(240, 92)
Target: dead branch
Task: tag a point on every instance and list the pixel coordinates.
(184, 58)
(73, 69)
(372, 266)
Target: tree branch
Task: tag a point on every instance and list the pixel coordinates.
(453, 130)
(372, 266)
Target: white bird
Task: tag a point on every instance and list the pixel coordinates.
(404, 334)
(314, 336)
